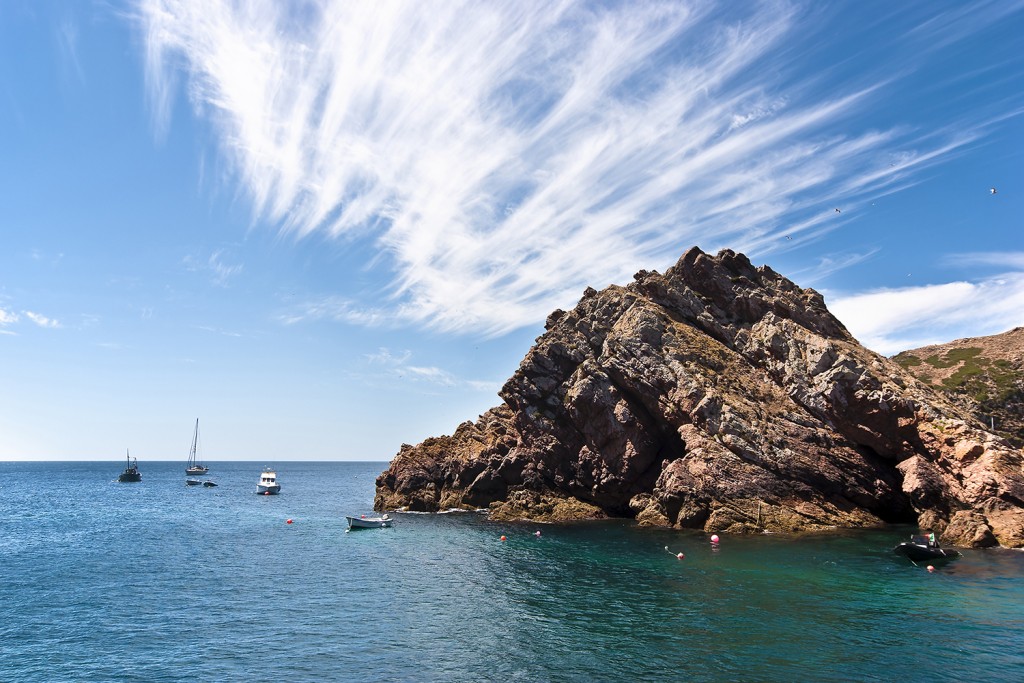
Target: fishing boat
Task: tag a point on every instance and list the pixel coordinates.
(922, 548)
(364, 522)
(131, 472)
(194, 465)
(268, 485)
(193, 482)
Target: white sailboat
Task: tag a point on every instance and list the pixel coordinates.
(194, 465)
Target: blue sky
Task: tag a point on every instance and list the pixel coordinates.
(327, 229)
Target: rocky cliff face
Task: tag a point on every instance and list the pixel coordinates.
(984, 374)
(718, 396)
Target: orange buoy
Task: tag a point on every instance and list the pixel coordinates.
(503, 538)
(288, 522)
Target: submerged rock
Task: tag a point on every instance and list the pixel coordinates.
(723, 397)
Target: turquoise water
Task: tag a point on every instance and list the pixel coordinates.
(157, 581)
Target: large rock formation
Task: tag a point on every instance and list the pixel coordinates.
(718, 396)
(984, 374)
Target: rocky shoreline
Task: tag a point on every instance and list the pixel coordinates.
(722, 397)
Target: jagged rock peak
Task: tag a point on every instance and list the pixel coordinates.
(717, 396)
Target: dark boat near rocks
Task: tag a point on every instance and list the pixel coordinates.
(920, 549)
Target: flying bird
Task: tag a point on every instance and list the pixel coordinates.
(991, 190)
(838, 211)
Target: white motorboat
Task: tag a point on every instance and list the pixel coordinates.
(364, 522)
(268, 485)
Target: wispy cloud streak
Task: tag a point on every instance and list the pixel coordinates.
(398, 365)
(214, 265)
(41, 320)
(504, 155)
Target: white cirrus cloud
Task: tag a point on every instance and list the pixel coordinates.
(214, 265)
(504, 155)
(1002, 259)
(397, 364)
(41, 320)
(339, 309)
(8, 317)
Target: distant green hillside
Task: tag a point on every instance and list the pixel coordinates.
(987, 372)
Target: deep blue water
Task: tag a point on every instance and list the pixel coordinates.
(157, 581)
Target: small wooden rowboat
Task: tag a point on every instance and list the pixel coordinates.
(364, 522)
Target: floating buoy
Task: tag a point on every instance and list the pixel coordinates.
(714, 538)
(680, 556)
(503, 538)
(931, 569)
(537, 533)
(288, 522)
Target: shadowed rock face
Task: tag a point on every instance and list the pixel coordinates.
(718, 396)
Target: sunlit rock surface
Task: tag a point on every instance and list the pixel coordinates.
(723, 397)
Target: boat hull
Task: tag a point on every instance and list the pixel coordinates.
(369, 522)
(919, 553)
(129, 477)
(268, 490)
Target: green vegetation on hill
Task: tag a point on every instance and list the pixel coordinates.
(995, 385)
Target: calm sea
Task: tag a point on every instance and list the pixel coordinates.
(157, 581)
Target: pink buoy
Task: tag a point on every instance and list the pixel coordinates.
(537, 533)
(680, 556)
(714, 538)
(931, 569)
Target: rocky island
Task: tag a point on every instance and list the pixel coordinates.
(718, 396)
